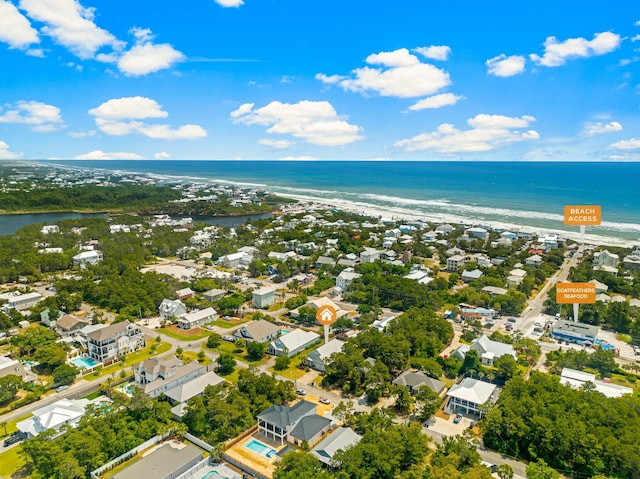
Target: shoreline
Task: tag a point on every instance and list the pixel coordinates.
(398, 213)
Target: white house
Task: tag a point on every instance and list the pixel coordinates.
(419, 275)
(469, 395)
(369, 255)
(468, 276)
(19, 301)
(48, 229)
(477, 232)
(346, 276)
(87, 258)
(319, 358)
(260, 331)
(264, 297)
(489, 350)
(456, 261)
(11, 366)
(195, 319)
(604, 258)
(340, 439)
(533, 260)
(578, 379)
(53, 416)
(527, 233)
(113, 341)
(292, 343)
(170, 309)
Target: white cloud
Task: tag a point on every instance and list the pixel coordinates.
(41, 117)
(7, 154)
(557, 53)
(116, 155)
(131, 107)
(82, 134)
(637, 23)
(599, 127)
(488, 132)
(15, 29)
(435, 52)
(229, 3)
(120, 116)
(299, 158)
(279, 144)
(635, 38)
(400, 74)
(314, 121)
(162, 155)
(146, 57)
(504, 66)
(71, 25)
(436, 101)
(632, 144)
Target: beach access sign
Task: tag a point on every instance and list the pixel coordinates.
(326, 314)
(576, 293)
(586, 215)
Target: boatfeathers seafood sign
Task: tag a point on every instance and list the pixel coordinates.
(582, 215)
(576, 293)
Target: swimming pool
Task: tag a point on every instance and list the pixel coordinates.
(85, 362)
(260, 448)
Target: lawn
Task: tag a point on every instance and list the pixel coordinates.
(239, 354)
(293, 371)
(222, 323)
(184, 337)
(11, 426)
(130, 360)
(10, 462)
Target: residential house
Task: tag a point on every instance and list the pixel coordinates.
(165, 462)
(49, 318)
(113, 341)
(631, 262)
(346, 276)
(444, 229)
(179, 395)
(69, 324)
(548, 242)
(456, 261)
(284, 257)
(469, 395)
(460, 352)
(294, 424)
(455, 251)
(600, 287)
(489, 350)
(494, 291)
(170, 309)
(469, 276)
(516, 276)
(508, 235)
(604, 258)
(533, 260)
(527, 233)
(317, 303)
(429, 237)
(347, 262)
(49, 229)
(213, 294)
(260, 331)
(149, 370)
(381, 324)
(578, 379)
(53, 416)
(477, 232)
(369, 255)
(340, 439)
(321, 357)
(185, 293)
(11, 366)
(325, 262)
(419, 275)
(175, 377)
(195, 319)
(264, 297)
(19, 301)
(292, 343)
(415, 380)
(235, 260)
(87, 258)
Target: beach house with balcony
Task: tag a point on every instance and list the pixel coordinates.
(109, 343)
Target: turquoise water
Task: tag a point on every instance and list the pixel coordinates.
(85, 362)
(213, 474)
(284, 331)
(262, 449)
(518, 192)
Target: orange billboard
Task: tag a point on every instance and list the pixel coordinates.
(576, 293)
(587, 215)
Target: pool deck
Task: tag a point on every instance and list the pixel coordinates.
(252, 459)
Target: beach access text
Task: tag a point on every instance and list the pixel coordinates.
(582, 215)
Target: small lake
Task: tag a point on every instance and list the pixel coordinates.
(9, 224)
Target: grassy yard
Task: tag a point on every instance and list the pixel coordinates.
(240, 354)
(10, 462)
(293, 371)
(184, 337)
(130, 360)
(230, 324)
(11, 427)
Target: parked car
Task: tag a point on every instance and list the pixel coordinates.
(324, 400)
(301, 392)
(457, 418)
(511, 319)
(59, 389)
(12, 440)
(509, 327)
(229, 338)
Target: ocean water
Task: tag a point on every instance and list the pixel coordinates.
(512, 193)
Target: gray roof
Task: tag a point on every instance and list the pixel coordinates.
(180, 372)
(69, 321)
(417, 379)
(158, 365)
(108, 332)
(340, 439)
(485, 345)
(308, 427)
(161, 463)
(258, 330)
(579, 328)
(283, 416)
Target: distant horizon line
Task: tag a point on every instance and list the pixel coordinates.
(380, 160)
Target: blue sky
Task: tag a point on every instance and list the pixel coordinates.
(285, 79)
